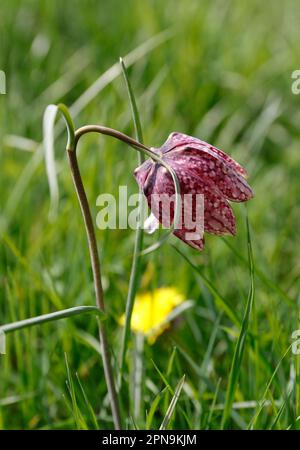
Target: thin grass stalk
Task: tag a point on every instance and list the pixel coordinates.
(240, 345)
(138, 243)
(171, 408)
(138, 374)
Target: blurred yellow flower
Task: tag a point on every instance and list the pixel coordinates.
(152, 310)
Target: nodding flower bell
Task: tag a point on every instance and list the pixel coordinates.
(200, 169)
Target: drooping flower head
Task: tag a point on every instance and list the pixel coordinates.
(201, 169)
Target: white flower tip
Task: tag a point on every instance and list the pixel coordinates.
(151, 224)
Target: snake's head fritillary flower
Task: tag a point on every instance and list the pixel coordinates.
(154, 310)
(201, 169)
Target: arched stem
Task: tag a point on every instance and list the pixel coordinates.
(115, 134)
(91, 237)
(95, 262)
(73, 139)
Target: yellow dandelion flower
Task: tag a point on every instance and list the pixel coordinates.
(151, 312)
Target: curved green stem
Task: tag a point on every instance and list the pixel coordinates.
(91, 237)
(73, 138)
(69, 124)
(117, 135)
(90, 232)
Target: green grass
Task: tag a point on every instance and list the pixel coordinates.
(222, 72)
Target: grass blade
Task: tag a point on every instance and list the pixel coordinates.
(169, 371)
(88, 404)
(138, 244)
(240, 345)
(138, 374)
(281, 409)
(167, 384)
(134, 109)
(219, 298)
(170, 390)
(264, 398)
(262, 276)
(48, 143)
(48, 133)
(80, 422)
(57, 315)
(172, 405)
(154, 407)
(213, 405)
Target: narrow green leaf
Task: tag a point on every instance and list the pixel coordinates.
(281, 409)
(153, 408)
(226, 306)
(138, 244)
(48, 144)
(261, 275)
(264, 397)
(57, 315)
(171, 361)
(169, 371)
(80, 422)
(240, 345)
(213, 405)
(134, 109)
(88, 404)
(48, 139)
(163, 377)
(172, 405)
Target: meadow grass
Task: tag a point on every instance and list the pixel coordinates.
(220, 71)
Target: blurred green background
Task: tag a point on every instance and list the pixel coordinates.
(218, 70)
